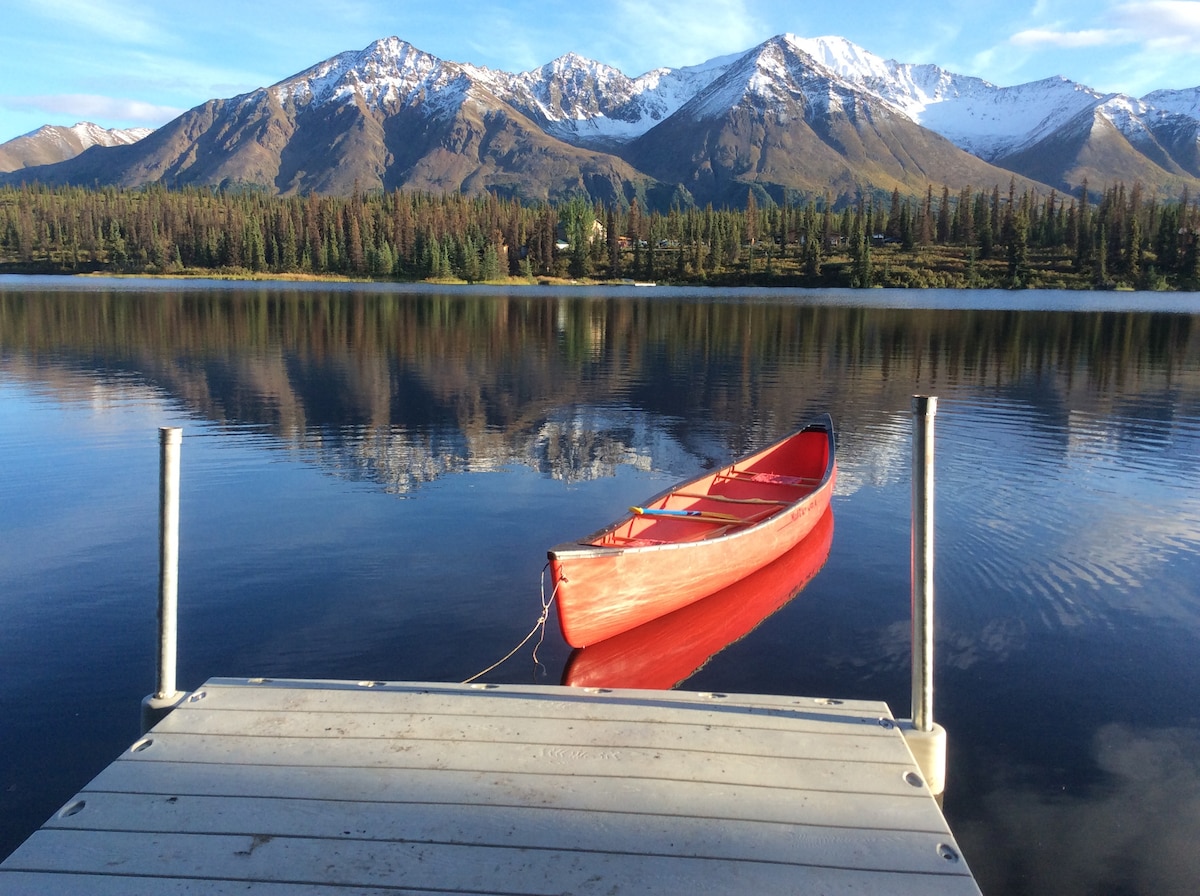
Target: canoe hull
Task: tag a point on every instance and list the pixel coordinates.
(666, 651)
(641, 568)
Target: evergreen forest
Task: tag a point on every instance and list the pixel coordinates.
(1116, 238)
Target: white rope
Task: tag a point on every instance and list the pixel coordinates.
(539, 625)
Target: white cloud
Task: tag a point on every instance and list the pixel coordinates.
(1152, 23)
(1159, 19)
(89, 107)
(1130, 47)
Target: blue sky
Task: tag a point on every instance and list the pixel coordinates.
(124, 63)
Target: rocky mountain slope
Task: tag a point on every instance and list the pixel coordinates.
(792, 116)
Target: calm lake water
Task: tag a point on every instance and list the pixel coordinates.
(372, 476)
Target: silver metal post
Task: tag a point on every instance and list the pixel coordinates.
(170, 439)
(924, 408)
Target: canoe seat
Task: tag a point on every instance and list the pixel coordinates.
(713, 497)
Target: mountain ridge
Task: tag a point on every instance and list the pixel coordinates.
(790, 116)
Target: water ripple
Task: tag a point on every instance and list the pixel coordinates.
(1018, 547)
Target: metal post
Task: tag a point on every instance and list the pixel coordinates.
(169, 440)
(923, 408)
(925, 738)
(166, 697)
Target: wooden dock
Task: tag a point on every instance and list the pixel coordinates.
(272, 787)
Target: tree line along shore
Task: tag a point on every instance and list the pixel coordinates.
(1118, 238)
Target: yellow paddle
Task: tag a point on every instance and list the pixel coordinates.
(703, 516)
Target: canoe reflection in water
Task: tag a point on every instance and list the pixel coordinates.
(665, 651)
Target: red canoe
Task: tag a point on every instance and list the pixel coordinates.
(695, 539)
(667, 650)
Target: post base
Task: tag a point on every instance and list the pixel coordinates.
(929, 750)
(156, 708)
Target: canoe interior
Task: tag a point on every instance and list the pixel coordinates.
(745, 493)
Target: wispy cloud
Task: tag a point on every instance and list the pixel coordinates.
(1174, 23)
(679, 32)
(112, 20)
(1096, 37)
(1129, 47)
(89, 107)
(631, 35)
(1162, 22)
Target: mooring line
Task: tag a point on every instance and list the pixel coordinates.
(539, 625)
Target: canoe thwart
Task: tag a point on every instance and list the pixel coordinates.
(775, 479)
(726, 498)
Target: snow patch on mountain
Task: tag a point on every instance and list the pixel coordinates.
(389, 72)
(90, 134)
(1179, 102)
(972, 113)
(765, 77)
(84, 135)
(580, 100)
(998, 121)
(1127, 114)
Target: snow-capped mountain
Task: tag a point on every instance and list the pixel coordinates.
(998, 124)
(792, 115)
(590, 103)
(51, 143)
(779, 123)
(389, 74)
(975, 115)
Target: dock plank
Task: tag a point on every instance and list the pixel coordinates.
(627, 733)
(735, 840)
(369, 787)
(580, 792)
(605, 760)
